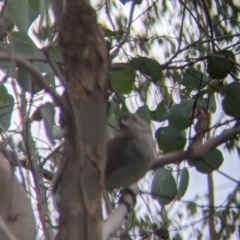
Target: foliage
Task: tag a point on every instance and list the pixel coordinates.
(168, 60)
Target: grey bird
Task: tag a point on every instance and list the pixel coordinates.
(131, 155)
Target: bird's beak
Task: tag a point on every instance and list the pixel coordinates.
(123, 122)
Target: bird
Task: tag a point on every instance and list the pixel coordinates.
(130, 155)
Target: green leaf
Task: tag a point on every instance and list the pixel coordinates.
(205, 100)
(43, 67)
(25, 81)
(23, 45)
(192, 208)
(5, 66)
(3, 95)
(161, 112)
(123, 80)
(183, 184)
(148, 66)
(231, 106)
(48, 113)
(144, 113)
(178, 115)
(215, 86)
(20, 44)
(143, 90)
(210, 162)
(21, 14)
(232, 98)
(28, 84)
(34, 4)
(5, 48)
(55, 54)
(220, 64)
(50, 77)
(58, 132)
(193, 79)
(44, 32)
(170, 139)
(177, 236)
(164, 187)
(36, 116)
(6, 108)
(109, 33)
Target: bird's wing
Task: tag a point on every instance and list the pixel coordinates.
(115, 154)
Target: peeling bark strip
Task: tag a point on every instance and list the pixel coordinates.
(83, 47)
(80, 175)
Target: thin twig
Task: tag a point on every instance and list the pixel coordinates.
(57, 149)
(198, 42)
(146, 10)
(195, 19)
(31, 153)
(109, 16)
(20, 62)
(114, 53)
(54, 66)
(181, 29)
(209, 23)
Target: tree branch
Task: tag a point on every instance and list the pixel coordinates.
(212, 231)
(198, 151)
(112, 224)
(32, 156)
(6, 231)
(20, 62)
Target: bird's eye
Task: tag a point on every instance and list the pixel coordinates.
(134, 118)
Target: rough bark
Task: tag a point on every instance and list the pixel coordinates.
(79, 181)
(57, 8)
(5, 23)
(15, 208)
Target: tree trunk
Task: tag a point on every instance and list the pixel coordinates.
(15, 208)
(80, 176)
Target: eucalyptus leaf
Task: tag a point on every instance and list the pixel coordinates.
(34, 4)
(179, 114)
(6, 108)
(232, 98)
(48, 113)
(123, 80)
(210, 162)
(144, 113)
(221, 63)
(109, 33)
(55, 53)
(161, 112)
(148, 66)
(163, 187)
(21, 14)
(170, 139)
(58, 132)
(26, 82)
(22, 44)
(194, 79)
(192, 209)
(183, 183)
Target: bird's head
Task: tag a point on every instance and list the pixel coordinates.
(133, 125)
